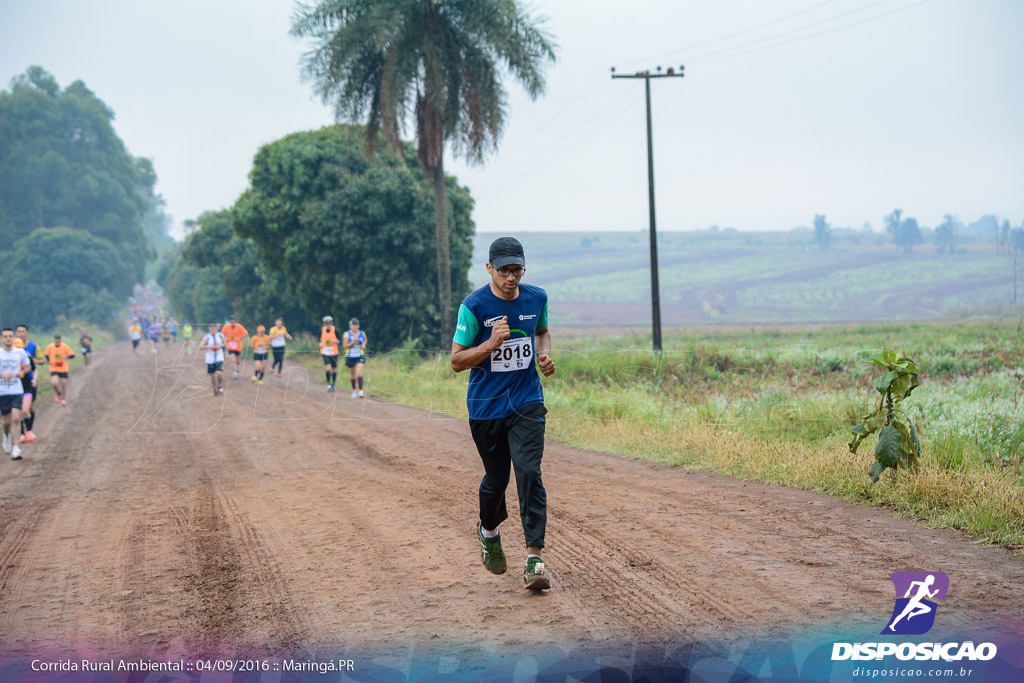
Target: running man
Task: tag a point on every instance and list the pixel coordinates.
(506, 400)
(354, 341)
(329, 351)
(57, 354)
(14, 364)
(135, 334)
(29, 382)
(186, 333)
(260, 349)
(85, 341)
(234, 334)
(165, 331)
(915, 607)
(278, 335)
(213, 344)
(153, 332)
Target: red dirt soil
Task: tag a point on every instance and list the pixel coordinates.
(151, 518)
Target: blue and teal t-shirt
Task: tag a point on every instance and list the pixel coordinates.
(508, 379)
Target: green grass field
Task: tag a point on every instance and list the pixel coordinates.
(775, 404)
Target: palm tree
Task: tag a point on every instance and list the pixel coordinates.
(439, 60)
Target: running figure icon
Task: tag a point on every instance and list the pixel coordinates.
(916, 596)
(915, 607)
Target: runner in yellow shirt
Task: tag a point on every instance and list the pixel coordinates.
(260, 349)
(135, 334)
(278, 335)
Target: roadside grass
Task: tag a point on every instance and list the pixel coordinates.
(775, 405)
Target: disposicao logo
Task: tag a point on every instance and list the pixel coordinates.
(914, 614)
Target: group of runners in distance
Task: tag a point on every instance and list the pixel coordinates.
(221, 343)
(224, 342)
(20, 359)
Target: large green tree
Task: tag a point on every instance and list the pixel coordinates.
(351, 235)
(256, 294)
(83, 278)
(216, 273)
(62, 164)
(439, 60)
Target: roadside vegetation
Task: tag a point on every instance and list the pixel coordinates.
(776, 405)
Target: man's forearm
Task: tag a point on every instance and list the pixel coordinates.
(471, 357)
(544, 343)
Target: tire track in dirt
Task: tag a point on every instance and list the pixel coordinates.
(155, 520)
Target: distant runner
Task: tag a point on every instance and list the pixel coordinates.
(329, 351)
(165, 331)
(260, 349)
(354, 341)
(14, 364)
(57, 354)
(85, 341)
(278, 335)
(135, 334)
(29, 382)
(234, 334)
(506, 400)
(213, 344)
(153, 332)
(186, 334)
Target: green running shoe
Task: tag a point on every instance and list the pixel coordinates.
(534, 577)
(490, 551)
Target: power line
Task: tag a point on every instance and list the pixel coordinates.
(492, 189)
(530, 137)
(555, 116)
(541, 158)
(727, 54)
(790, 31)
(730, 35)
(690, 59)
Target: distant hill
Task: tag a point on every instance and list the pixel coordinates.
(603, 279)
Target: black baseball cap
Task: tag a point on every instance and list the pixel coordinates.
(506, 251)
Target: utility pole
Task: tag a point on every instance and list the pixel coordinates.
(655, 290)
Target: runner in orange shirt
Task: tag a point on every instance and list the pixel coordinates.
(234, 334)
(329, 351)
(58, 353)
(260, 348)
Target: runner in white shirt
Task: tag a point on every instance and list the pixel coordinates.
(213, 344)
(14, 363)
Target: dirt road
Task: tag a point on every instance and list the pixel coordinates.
(152, 518)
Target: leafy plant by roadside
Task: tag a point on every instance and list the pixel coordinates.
(898, 444)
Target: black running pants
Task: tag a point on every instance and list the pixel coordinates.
(516, 441)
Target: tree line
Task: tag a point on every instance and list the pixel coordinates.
(906, 233)
(79, 218)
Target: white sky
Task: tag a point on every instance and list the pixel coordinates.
(917, 108)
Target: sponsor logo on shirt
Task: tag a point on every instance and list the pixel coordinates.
(491, 321)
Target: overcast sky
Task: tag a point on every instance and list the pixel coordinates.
(789, 107)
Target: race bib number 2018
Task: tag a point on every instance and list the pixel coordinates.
(512, 355)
